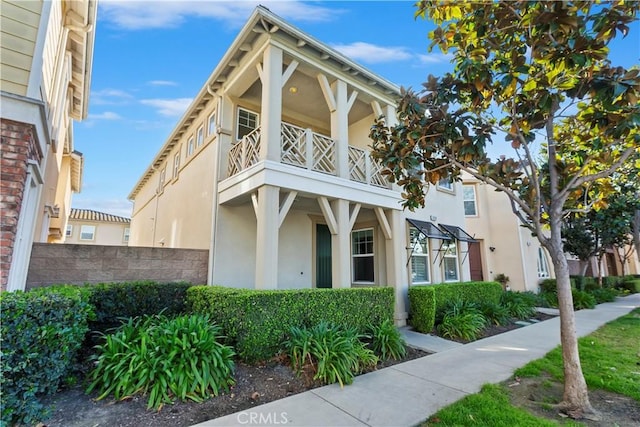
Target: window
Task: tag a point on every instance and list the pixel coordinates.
(69, 231)
(176, 164)
(87, 232)
(163, 175)
(469, 197)
(190, 146)
(543, 266)
(362, 255)
(419, 256)
(125, 235)
(247, 122)
(446, 184)
(200, 136)
(211, 127)
(450, 261)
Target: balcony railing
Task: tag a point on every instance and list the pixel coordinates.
(310, 150)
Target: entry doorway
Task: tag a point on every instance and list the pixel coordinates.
(323, 256)
(475, 261)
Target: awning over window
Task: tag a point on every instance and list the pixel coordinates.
(429, 229)
(457, 233)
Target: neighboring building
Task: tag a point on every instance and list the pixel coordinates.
(88, 227)
(270, 170)
(504, 246)
(45, 74)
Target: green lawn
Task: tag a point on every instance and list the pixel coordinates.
(609, 359)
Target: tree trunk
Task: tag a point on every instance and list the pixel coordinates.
(584, 265)
(575, 401)
(635, 227)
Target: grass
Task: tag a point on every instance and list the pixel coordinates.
(490, 407)
(609, 358)
(609, 361)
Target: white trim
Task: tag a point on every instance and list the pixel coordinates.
(366, 255)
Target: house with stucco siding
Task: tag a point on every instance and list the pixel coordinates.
(270, 170)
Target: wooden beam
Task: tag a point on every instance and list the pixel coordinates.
(351, 100)
(254, 202)
(354, 215)
(327, 92)
(328, 215)
(289, 71)
(377, 110)
(286, 205)
(384, 223)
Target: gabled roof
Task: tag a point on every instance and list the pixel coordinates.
(261, 21)
(91, 215)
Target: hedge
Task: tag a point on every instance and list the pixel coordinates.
(423, 311)
(257, 322)
(632, 285)
(41, 332)
(116, 301)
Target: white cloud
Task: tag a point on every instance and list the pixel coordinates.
(162, 83)
(109, 97)
(107, 115)
(369, 53)
(169, 107)
(435, 58)
(137, 15)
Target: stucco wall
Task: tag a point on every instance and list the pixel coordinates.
(79, 264)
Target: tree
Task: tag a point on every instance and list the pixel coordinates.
(529, 71)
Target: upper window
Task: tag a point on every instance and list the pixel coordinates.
(163, 174)
(543, 266)
(69, 230)
(469, 197)
(450, 261)
(176, 164)
(200, 136)
(362, 255)
(87, 232)
(125, 235)
(419, 256)
(446, 184)
(211, 126)
(247, 122)
(190, 147)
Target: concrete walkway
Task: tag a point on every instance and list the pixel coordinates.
(408, 393)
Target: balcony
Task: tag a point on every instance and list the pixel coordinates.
(309, 150)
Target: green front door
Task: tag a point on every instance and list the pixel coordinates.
(323, 256)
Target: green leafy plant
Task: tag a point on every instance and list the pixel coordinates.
(582, 300)
(495, 314)
(549, 299)
(165, 358)
(521, 305)
(387, 341)
(335, 353)
(462, 320)
(604, 295)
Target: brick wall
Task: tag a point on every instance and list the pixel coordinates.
(19, 145)
(78, 264)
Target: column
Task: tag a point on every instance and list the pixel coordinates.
(340, 127)
(267, 237)
(271, 114)
(397, 275)
(341, 245)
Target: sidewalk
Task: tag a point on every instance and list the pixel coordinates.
(408, 393)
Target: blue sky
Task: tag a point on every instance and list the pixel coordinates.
(152, 57)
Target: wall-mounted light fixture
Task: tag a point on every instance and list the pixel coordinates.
(293, 89)
(492, 248)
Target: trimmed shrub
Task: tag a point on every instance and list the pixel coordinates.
(550, 285)
(114, 302)
(549, 299)
(422, 308)
(428, 299)
(630, 285)
(257, 321)
(386, 341)
(462, 320)
(165, 358)
(41, 332)
(582, 300)
(336, 353)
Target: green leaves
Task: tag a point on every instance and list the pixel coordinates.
(166, 358)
